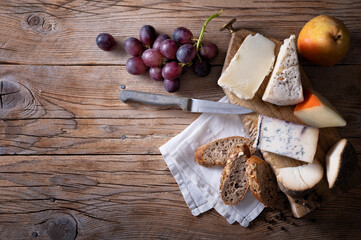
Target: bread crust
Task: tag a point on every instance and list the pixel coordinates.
(258, 187)
(200, 154)
(238, 153)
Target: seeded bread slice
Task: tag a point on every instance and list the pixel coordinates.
(262, 181)
(215, 153)
(234, 185)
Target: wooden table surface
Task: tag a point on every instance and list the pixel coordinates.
(76, 163)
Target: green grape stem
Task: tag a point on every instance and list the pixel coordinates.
(185, 64)
(204, 28)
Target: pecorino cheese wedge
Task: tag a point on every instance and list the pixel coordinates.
(285, 87)
(250, 65)
(286, 138)
(317, 111)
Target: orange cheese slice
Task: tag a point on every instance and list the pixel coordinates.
(316, 111)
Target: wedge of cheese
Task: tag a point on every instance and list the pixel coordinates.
(284, 86)
(341, 162)
(250, 65)
(296, 181)
(316, 111)
(286, 138)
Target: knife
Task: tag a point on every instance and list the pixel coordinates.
(187, 104)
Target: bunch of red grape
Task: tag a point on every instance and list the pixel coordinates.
(165, 58)
(168, 58)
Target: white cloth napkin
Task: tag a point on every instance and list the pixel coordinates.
(200, 185)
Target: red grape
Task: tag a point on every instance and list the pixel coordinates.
(133, 46)
(171, 71)
(182, 35)
(171, 85)
(136, 66)
(156, 74)
(159, 40)
(105, 41)
(186, 53)
(147, 35)
(201, 67)
(168, 48)
(152, 58)
(209, 50)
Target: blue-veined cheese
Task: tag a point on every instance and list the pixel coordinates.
(286, 138)
(250, 65)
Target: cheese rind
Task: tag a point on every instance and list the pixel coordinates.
(333, 161)
(341, 163)
(285, 87)
(300, 178)
(286, 138)
(250, 65)
(316, 111)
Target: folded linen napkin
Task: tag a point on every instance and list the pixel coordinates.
(200, 185)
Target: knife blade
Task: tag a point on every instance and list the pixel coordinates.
(187, 104)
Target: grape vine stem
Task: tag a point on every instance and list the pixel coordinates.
(204, 28)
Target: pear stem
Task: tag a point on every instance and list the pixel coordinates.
(338, 36)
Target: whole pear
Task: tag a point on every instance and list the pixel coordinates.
(324, 40)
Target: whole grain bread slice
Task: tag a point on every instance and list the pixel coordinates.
(262, 181)
(215, 153)
(234, 184)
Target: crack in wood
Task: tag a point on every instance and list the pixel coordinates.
(10, 95)
(59, 224)
(4, 94)
(1, 91)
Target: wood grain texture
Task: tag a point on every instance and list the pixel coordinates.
(64, 111)
(117, 197)
(77, 163)
(45, 32)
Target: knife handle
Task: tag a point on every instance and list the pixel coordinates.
(154, 99)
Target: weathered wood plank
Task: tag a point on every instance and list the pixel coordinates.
(64, 32)
(99, 136)
(75, 110)
(88, 136)
(132, 196)
(65, 111)
(92, 91)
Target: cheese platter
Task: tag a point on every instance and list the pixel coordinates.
(317, 195)
(291, 125)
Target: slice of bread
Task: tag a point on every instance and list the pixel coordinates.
(234, 185)
(215, 153)
(262, 181)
